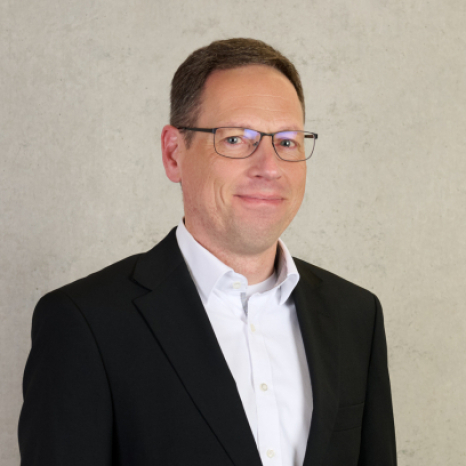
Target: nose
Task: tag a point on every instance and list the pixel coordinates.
(265, 163)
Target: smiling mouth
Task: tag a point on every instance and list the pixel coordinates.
(261, 199)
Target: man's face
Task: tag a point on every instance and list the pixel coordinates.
(242, 206)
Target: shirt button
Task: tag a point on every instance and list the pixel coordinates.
(253, 329)
(236, 285)
(264, 388)
(270, 453)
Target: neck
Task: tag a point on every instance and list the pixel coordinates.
(256, 267)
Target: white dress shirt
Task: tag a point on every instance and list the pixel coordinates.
(257, 329)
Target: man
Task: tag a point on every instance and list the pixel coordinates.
(215, 347)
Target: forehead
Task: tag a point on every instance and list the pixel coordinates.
(253, 94)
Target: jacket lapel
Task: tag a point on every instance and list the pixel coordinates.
(319, 330)
(174, 312)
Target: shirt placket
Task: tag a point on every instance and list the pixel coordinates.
(268, 423)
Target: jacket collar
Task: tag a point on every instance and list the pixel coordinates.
(174, 312)
(317, 316)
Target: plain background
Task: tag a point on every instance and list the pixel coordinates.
(84, 95)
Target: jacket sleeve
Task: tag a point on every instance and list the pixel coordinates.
(66, 419)
(378, 446)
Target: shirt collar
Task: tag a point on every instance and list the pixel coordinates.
(208, 272)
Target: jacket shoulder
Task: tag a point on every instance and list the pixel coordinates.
(116, 285)
(329, 279)
(107, 280)
(346, 299)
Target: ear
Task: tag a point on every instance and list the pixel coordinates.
(172, 148)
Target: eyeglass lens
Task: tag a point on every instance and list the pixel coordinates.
(242, 142)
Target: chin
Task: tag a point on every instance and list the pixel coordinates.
(254, 237)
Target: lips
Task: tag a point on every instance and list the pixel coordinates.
(262, 197)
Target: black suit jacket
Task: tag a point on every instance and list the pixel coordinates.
(125, 369)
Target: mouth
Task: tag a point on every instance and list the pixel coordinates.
(261, 199)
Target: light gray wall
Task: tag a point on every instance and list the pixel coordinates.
(84, 95)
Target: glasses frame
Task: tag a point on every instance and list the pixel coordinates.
(307, 134)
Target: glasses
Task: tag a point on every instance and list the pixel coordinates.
(240, 143)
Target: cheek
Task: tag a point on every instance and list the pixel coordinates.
(204, 182)
(299, 184)
(219, 182)
(196, 186)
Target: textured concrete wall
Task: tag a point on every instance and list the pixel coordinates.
(84, 94)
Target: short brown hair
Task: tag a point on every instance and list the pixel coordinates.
(189, 80)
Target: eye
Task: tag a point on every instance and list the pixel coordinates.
(288, 143)
(233, 140)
